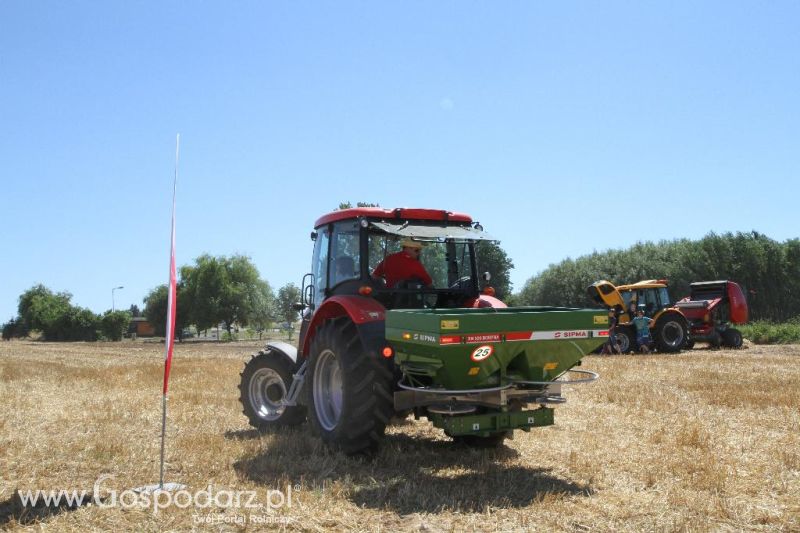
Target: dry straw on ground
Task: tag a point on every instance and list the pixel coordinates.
(704, 440)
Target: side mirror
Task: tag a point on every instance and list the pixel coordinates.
(313, 235)
(486, 276)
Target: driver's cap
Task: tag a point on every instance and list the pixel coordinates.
(410, 243)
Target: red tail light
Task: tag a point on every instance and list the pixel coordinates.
(388, 352)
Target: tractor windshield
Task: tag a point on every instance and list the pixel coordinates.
(447, 262)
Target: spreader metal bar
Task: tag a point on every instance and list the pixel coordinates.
(593, 376)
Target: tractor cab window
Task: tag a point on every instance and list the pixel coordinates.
(651, 301)
(628, 297)
(319, 265)
(446, 262)
(345, 252)
(663, 296)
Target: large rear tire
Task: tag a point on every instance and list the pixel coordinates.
(670, 333)
(349, 393)
(732, 338)
(266, 379)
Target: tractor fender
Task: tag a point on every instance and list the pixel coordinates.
(670, 312)
(366, 313)
(284, 349)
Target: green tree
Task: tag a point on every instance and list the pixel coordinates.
(225, 290)
(767, 270)
(114, 324)
(264, 311)
(42, 310)
(494, 260)
(155, 310)
(288, 296)
(14, 329)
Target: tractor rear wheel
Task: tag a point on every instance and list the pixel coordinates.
(349, 393)
(670, 333)
(266, 379)
(732, 338)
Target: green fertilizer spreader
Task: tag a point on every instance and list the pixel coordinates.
(474, 371)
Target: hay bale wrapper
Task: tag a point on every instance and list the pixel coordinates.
(450, 352)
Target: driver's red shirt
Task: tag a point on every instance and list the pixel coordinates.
(400, 267)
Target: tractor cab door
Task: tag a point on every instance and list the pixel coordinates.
(316, 282)
(653, 299)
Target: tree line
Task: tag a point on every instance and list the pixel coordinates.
(767, 270)
(212, 291)
(229, 290)
(57, 319)
(222, 290)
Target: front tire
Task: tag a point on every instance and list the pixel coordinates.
(670, 333)
(626, 340)
(349, 393)
(265, 380)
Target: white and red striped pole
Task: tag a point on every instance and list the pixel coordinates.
(169, 343)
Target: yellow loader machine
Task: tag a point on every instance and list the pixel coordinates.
(669, 328)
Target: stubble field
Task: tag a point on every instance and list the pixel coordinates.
(703, 440)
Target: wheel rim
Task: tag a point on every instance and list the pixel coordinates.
(623, 341)
(266, 393)
(328, 390)
(672, 334)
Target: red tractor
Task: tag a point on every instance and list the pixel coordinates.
(711, 308)
(350, 380)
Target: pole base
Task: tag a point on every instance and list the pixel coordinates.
(152, 489)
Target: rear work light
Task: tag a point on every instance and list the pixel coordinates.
(388, 352)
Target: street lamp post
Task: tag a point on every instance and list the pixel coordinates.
(112, 296)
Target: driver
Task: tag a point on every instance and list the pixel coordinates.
(403, 265)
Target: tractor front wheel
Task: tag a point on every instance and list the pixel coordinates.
(265, 380)
(670, 333)
(349, 393)
(732, 338)
(626, 339)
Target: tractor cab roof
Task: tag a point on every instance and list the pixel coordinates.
(400, 214)
(646, 284)
(419, 224)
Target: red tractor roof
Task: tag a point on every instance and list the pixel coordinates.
(400, 213)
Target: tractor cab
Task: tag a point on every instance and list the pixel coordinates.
(350, 244)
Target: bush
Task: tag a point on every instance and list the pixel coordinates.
(114, 324)
(14, 329)
(765, 332)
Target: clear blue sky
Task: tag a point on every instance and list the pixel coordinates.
(563, 127)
